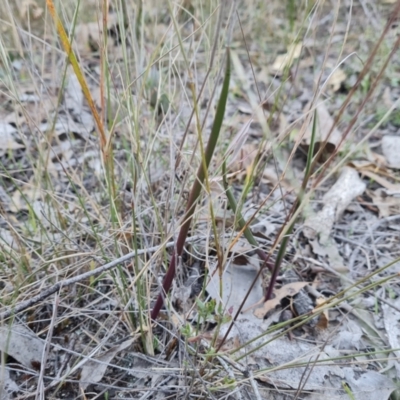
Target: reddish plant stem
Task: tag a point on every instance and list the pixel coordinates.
(169, 276)
(195, 191)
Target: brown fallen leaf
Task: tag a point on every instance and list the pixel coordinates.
(288, 290)
(324, 132)
(323, 319)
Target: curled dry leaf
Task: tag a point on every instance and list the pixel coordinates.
(323, 319)
(288, 290)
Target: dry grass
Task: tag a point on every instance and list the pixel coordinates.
(155, 76)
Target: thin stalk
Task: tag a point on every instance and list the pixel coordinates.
(285, 240)
(243, 225)
(196, 190)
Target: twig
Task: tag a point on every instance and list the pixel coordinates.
(236, 393)
(246, 372)
(68, 282)
(40, 391)
(254, 385)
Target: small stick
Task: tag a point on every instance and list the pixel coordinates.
(67, 282)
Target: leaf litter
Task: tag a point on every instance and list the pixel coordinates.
(22, 344)
(317, 228)
(340, 231)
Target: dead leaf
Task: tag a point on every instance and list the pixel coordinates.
(7, 139)
(236, 282)
(94, 369)
(89, 35)
(387, 202)
(7, 385)
(347, 187)
(372, 171)
(286, 60)
(323, 319)
(30, 9)
(264, 227)
(323, 129)
(22, 344)
(336, 79)
(391, 150)
(28, 193)
(281, 351)
(317, 228)
(267, 351)
(349, 338)
(288, 290)
(369, 385)
(391, 321)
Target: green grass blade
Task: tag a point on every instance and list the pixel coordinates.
(196, 189)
